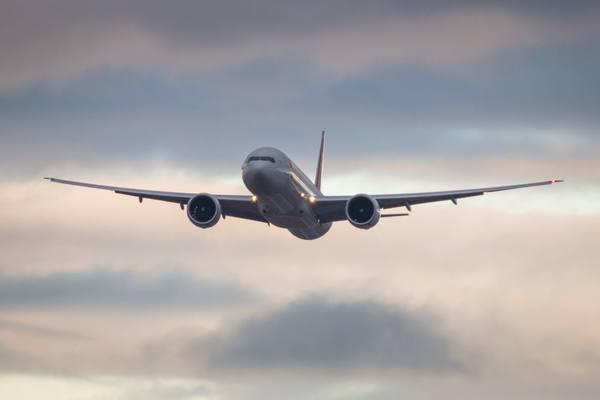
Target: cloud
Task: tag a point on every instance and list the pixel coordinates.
(547, 88)
(200, 84)
(38, 330)
(316, 334)
(62, 39)
(533, 106)
(74, 386)
(11, 360)
(109, 289)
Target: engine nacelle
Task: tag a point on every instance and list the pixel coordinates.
(362, 211)
(204, 210)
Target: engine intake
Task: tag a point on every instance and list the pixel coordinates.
(204, 210)
(362, 211)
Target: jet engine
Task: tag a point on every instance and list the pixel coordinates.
(362, 211)
(204, 210)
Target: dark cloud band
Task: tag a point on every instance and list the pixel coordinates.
(114, 290)
(317, 334)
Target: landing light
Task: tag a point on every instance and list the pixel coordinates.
(253, 199)
(312, 199)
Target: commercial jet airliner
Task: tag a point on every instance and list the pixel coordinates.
(284, 196)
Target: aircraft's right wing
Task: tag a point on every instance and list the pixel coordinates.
(239, 206)
(332, 208)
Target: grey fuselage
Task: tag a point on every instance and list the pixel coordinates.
(283, 192)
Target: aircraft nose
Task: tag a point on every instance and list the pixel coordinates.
(256, 172)
(255, 175)
(260, 177)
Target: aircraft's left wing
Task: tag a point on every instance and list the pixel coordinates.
(332, 208)
(238, 206)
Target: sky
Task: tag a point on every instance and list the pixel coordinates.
(104, 298)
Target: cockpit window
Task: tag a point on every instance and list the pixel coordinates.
(270, 159)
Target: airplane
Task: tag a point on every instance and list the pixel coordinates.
(282, 195)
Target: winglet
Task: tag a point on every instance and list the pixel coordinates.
(320, 162)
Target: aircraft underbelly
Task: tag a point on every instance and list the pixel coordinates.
(287, 209)
(286, 212)
(283, 202)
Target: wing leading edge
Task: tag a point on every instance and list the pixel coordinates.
(332, 208)
(239, 206)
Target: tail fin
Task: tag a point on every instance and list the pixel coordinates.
(320, 162)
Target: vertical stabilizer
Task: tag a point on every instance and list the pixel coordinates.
(320, 163)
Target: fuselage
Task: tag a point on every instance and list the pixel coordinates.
(283, 193)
